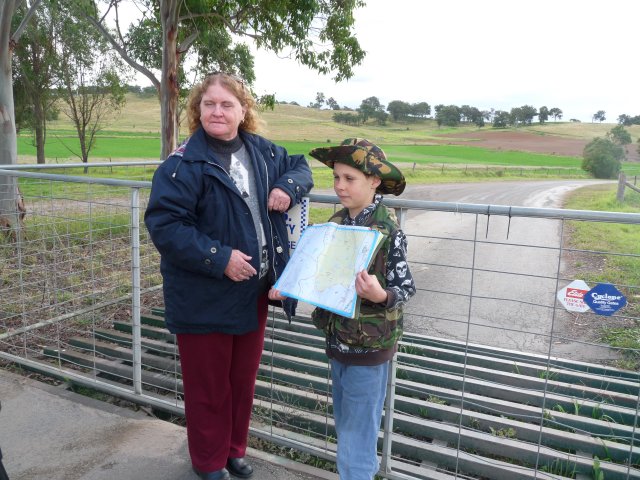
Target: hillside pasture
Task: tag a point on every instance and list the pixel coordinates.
(135, 135)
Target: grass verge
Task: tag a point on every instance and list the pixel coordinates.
(622, 269)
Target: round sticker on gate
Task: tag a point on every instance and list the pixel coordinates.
(572, 296)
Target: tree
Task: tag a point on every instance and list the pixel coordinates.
(10, 198)
(332, 104)
(369, 107)
(543, 114)
(556, 113)
(501, 119)
(599, 116)
(624, 119)
(381, 117)
(319, 101)
(317, 34)
(35, 60)
(515, 116)
(399, 110)
(475, 116)
(420, 109)
(523, 115)
(89, 79)
(448, 115)
(347, 118)
(602, 158)
(619, 135)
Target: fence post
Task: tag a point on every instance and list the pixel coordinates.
(389, 404)
(136, 343)
(622, 178)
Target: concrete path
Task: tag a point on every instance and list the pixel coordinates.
(47, 432)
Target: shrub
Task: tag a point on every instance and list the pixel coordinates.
(602, 158)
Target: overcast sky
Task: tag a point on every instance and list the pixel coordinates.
(578, 55)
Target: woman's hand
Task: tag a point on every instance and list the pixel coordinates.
(239, 269)
(368, 286)
(275, 294)
(279, 200)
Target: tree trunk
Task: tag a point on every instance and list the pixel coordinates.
(169, 82)
(8, 141)
(39, 120)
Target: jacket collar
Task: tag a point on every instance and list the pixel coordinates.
(195, 148)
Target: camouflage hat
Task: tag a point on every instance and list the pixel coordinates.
(366, 157)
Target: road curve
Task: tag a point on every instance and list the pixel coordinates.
(493, 281)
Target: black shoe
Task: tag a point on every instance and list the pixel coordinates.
(221, 474)
(238, 467)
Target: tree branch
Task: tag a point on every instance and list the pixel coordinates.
(186, 43)
(18, 33)
(123, 52)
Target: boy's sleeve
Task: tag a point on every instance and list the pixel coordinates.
(400, 284)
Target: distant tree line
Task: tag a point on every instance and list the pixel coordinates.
(445, 115)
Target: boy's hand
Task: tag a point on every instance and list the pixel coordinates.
(275, 294)
(368, 286)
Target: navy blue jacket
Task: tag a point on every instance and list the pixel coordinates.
(196, 217)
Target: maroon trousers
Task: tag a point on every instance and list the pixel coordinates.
(219, 373)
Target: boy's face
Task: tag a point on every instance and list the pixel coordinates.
(354, 189)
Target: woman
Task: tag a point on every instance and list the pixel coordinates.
(360, 348)
(216, 215)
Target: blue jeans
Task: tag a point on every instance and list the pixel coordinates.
(358, 398)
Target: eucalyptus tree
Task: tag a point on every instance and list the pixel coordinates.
(501, 119)
(420, 109)
(333, 104)
(370, 108)
(543, 114)
(522, 115)
(34, 64)
(556, 113)
(448, 115)
(9, 194)
(317, 34)
(90, 79)
(399, 110)
(600, 116)
(619, 135)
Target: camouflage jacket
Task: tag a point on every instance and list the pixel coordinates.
(377, 327)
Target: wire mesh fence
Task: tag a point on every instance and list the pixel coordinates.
(494, 378)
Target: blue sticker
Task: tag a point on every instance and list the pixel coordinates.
(605, 299)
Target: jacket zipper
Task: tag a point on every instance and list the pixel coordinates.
(273, 237)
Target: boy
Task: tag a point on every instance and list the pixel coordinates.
(360, 349)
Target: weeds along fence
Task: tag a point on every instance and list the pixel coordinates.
(494, 378)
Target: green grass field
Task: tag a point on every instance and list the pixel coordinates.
(123, 145)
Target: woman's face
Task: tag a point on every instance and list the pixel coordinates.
(220, 112)
(354, 189)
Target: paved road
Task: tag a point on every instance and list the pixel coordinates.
(509, 272)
